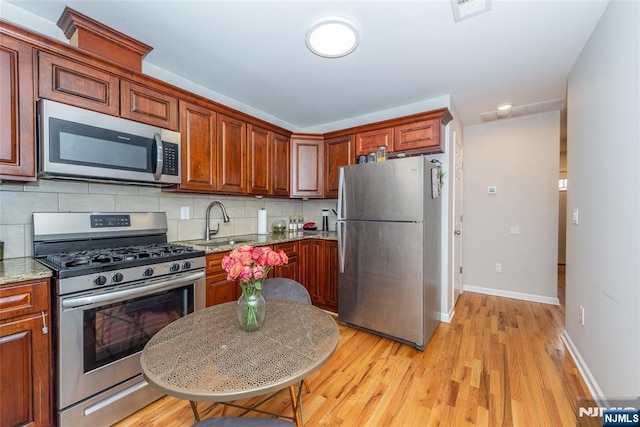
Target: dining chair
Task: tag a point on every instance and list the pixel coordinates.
(243, 422)
(283, 288)
(287, 289)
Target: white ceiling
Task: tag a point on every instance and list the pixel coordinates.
(410, 52)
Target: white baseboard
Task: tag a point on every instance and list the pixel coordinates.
(510, 294)
(447, 317)
(587, 376)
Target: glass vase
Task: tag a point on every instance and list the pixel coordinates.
(251, 307)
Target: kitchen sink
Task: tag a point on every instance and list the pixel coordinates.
(225, 242)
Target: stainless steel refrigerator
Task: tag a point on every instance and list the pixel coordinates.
(389, 249)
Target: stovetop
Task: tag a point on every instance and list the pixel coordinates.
(75, 263)
(121, 256)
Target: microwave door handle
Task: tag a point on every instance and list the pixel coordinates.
(159, 156)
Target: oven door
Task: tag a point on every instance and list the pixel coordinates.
(101, 334)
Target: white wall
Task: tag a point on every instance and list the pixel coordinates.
(519, 157)
(603, 250)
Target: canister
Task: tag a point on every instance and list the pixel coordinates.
(381, 153)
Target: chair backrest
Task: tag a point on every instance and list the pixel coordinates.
(283, 288)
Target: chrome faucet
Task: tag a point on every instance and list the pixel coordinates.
(208, 232)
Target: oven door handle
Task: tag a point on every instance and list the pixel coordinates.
(130, 293)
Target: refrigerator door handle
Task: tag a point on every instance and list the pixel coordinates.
(341, 189)
(341, 240)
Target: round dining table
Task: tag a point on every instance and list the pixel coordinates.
(206, 357)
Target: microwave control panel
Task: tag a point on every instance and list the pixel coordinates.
(170, 163)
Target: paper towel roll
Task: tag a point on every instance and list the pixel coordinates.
(262, 221)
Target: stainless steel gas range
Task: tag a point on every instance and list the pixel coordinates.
(116, 282)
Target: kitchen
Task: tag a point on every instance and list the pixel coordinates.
(19, 201)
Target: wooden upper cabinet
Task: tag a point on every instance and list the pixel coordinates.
(339, 151)
(280, 165)
(422, 135)
(368, 142)
(17, 111)
(231, 151)
(198, 133)
(307, 166)
(147, 105)
(70, 82)
(259, 160)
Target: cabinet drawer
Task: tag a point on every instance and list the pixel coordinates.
(289, 248)
(214, 265)
(73, 83)
(23, 298)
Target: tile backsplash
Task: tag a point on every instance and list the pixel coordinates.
(19, 201)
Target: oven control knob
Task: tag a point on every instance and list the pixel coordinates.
(174, 267)
(117, 277)
(147, 272)
(186, 265)
(100, 280)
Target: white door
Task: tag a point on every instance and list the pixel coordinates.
(457, 207)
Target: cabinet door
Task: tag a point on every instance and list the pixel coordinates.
(25, 354)
(423, 135)
(338, 152)
(77, 84)
(259, 160)
(331, 274)
(368, 142)
(231, 161)
(198, 133)
(17, 107)
(307, 165)
(219, 289)
(147, 105)
(280, 165)
(25, 365)
(311, 269)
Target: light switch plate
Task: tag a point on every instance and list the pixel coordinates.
(575, 216)
(492, 190)
(184, 212)
(514, 229)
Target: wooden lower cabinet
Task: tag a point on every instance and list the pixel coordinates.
(25, 354)
(319, 272)
(219, 289)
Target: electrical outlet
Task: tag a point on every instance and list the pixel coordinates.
(498, 267)
(581, 314)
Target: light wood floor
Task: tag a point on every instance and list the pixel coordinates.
(500, 362)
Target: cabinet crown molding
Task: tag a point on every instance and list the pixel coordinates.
(94, 37)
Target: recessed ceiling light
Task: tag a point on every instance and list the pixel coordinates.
(504, 107)
(332, 37)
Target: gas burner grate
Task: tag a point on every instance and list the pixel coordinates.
(116, 256)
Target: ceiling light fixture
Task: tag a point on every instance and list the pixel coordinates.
(332, 37)
(504, 107)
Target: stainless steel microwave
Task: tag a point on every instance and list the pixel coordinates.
(75, 143)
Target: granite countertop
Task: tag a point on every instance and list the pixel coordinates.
(224, 244)
(26, 268)
(21, 269)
